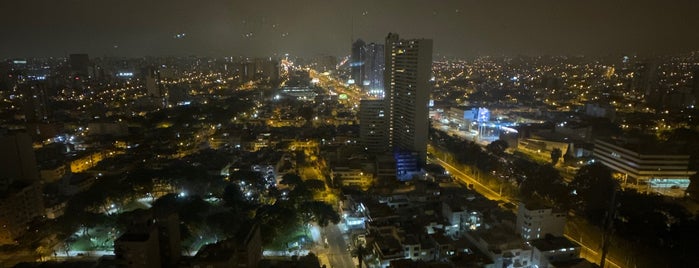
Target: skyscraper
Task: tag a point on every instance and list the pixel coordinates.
(21, 198)
(372, 125)
(153, 86)
(80, 65)
(357, 61)
(373, 69)
(406, 75)
(17, 159)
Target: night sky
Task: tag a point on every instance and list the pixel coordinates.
(30, 28)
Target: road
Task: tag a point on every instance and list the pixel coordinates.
(336, 253)
(588, 251)
(467, 179)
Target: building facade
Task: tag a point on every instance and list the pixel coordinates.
(19, 205)
(372, 126)
(408, 66)
(643, 165)
(534, 222)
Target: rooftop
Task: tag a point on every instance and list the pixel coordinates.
(550, 242)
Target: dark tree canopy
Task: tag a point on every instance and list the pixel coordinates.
(315, 185)
(593, 185)
(497, 147)
(291, 179)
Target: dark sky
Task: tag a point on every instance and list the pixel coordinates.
(31, 28)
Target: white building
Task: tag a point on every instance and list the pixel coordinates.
(534, 222)
(548, 251)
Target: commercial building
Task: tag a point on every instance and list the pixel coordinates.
(648, 165)
(357, 62)
(373, 69)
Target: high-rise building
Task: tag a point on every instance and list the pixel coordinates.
(36, 104)
(17, 159)
(373, 69)
(408, 65)
(20, 203)
(153, 86)
(79, 65)
(695, 85)
(325, 63)
(372, 125)
(357, 61)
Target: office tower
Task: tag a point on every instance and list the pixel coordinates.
(659, 168)
(79, 65)
(153, 86)
(406, 75)
(36, 104)
(645, 81)
(372, 125)
(269, 69)
(325, 63)
(373, 69)
(695, 86)
(247, 71)
(357, 61)
(17, 159)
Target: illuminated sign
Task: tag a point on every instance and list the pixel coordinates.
(343, 96)
(483, 115)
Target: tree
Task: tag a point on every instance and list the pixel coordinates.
(291, 179)
(315, 185)
(593, 186)
(321, 212)
(233, 197)
(555, 155)
(497, 147)
(310, 260)
(359, 252)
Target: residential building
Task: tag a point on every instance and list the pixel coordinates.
(20, 203)
(372, 125)
(17, 159)
(550, 250)
(535, 221)
(408, 65)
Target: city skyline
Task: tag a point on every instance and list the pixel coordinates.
(308, 28)
(390, 133)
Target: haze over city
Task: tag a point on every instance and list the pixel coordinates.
(339, 134)
(260, 28)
